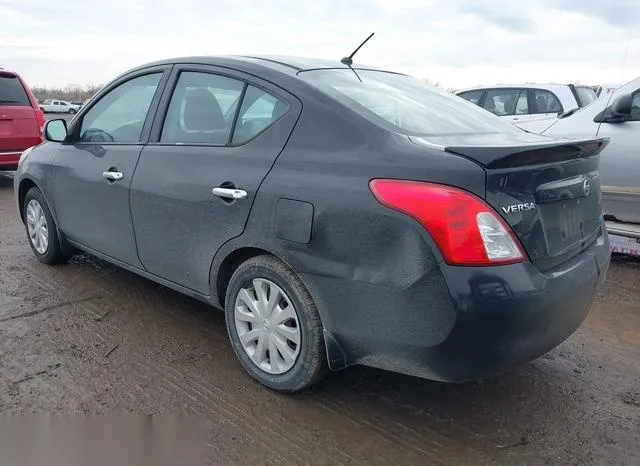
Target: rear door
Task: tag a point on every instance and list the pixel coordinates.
(218, 134)
(544, 107)
(18, 123)
(93, 169)
(510, 104)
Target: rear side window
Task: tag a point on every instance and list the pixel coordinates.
(12, 92)
(507, 102)
(202, 109)
(472, 96)
(546, 102)
(259, 110)
(403, 104)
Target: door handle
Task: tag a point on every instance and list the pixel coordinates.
(229, 193)
(113, 175)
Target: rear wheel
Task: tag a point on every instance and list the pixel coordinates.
(274, 326)
(41, 229)
(72, 111)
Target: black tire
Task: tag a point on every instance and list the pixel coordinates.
(53, 254)
(311, 363)
(72, 111)
(42, 110)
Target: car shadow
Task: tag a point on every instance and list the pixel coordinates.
(6, 180)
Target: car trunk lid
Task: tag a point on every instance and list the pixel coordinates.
(548, 191)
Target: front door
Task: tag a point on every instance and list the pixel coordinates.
(620, 165)
(94, 167)
(197, 178)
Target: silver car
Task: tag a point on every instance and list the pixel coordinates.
(616, 116)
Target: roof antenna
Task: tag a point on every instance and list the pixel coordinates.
(349, 60)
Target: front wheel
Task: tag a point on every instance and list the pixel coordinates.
(274, 326)
(41, 229)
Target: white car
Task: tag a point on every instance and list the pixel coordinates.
(58, 106)
(606, 89)
(532, 107)
(616, 116)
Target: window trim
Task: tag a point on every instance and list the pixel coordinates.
(76, 126)
(231, 73)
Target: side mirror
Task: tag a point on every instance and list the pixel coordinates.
(622, 105)
(56, 130)
(618, 112)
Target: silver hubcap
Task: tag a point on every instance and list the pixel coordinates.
(37, 227)
(267, 325)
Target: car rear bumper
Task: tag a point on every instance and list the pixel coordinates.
(495, 318)
(9, 160)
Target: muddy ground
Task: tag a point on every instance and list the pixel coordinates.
(90, 338)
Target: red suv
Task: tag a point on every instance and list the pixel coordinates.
(21, 121)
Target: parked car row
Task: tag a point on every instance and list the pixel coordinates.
(339, 215)
(532, 107)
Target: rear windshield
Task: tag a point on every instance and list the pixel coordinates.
(404, 104)
(585, 95)
(12, 92)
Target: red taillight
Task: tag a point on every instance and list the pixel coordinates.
(41, 122)
(40, 117)
(466, 229)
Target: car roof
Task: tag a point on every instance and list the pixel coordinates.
(8, 73)
(549, 86)
(285, 64)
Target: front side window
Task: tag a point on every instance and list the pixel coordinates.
(507, 102)
(546, 102)
(119, 116)
(259, 110)
(472, 96)
(403, 104)
(202, 109)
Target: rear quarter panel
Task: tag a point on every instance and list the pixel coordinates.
(362, 260)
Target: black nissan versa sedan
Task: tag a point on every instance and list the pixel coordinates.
(340, 215)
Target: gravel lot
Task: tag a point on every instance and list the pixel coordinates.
(91, 338)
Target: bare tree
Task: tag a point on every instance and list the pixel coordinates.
(72, 92)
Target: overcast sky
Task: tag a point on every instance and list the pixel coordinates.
(457, 42)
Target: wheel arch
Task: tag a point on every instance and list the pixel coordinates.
(221, 274)
(25, 185)
(226, 263)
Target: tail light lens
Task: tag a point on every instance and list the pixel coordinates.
(41, 121)
(467, 230)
